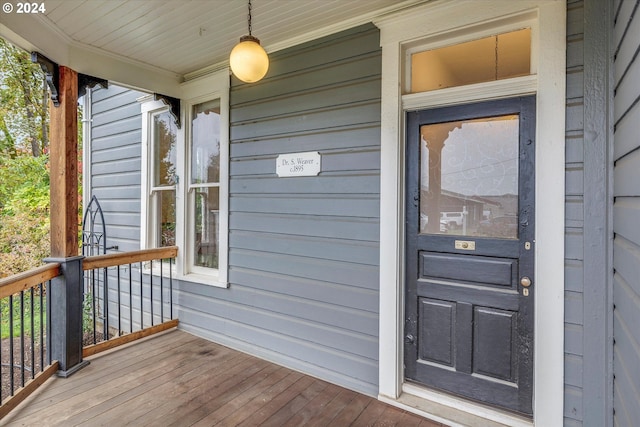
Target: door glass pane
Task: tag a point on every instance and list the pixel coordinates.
(205, 143)
(206, 215)
(469, 177)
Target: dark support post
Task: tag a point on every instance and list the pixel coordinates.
(65, 299)
(65, 294)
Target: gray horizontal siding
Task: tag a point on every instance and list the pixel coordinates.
(304, 251)
(115, 162)
(626, 216)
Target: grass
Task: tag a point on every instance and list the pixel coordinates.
(5, 325)
(6, 309)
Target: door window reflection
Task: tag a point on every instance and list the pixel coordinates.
(469, 177)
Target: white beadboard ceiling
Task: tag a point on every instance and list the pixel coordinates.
(184, 36)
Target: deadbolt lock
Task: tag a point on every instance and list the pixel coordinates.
(525, 282)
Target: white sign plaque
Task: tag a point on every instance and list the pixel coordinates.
(298, 164)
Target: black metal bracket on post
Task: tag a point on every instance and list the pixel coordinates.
(64, 299)
(174, 107)
(51, 73)
(85, 81)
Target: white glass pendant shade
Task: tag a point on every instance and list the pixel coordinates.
(248, 60)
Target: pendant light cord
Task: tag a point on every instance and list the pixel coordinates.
(249, 17)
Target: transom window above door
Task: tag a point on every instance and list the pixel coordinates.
(496, 57)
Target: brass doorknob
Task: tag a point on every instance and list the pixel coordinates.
(525, 282)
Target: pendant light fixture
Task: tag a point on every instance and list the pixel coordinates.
(248, 60)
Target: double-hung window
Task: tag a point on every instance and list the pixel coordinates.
(162, 206)
(185, 180)
(204, 187)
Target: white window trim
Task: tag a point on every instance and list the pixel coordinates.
(148, 109)
(213, 86)
(430, 23)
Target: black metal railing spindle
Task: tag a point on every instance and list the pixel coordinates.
(11, 364)
(151, 291)
(33, 332)
(161, 292)
(119, 303)
(130, 299)
(93, 306)
(105, 306)
(141, 299)
(43, 322)
(22, 339)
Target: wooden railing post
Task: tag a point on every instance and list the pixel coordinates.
(64, 297)
(65, 293)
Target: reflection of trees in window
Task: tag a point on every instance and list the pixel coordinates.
(165, 146)
(206, 227)
(205, 182)
(164, 170)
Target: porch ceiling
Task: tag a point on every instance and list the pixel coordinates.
(174, 40)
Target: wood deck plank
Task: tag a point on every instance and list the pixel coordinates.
(337, 404)
(257, 402)
(200, 399)
(108, 377)
(370, 415)
(83, 411)
(274, 405)
(295, 405)
(175, 388)
(238, 402)
(315, 406)
(176, 379)
(352, 411)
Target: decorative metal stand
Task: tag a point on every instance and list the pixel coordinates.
(94, 242)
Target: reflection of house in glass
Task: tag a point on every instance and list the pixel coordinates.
(469, 174)
(454, 205)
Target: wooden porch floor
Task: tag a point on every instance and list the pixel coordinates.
(177, 379)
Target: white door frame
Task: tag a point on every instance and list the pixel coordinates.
(452, 21)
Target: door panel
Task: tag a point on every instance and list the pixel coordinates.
(469, 242)
(438, 328)
(494, 333)
(485, 270)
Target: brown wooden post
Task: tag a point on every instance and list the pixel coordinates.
(64, 167)
(64, 296)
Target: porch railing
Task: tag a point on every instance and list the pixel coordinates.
(127, 296)
(25, 361)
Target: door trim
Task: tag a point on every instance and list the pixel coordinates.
(549, 44)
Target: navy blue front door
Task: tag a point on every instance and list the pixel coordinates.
(470, 190)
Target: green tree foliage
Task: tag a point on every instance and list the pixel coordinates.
(24, 174)
(24, 213)
(24, 118)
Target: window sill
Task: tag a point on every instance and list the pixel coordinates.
(204, 279)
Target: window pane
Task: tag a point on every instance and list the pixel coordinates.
(491, 58)
(206, 215)
(205, 143)
(469, 177)
(165, 214)
(164, 150)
